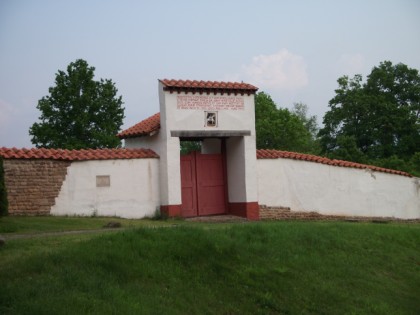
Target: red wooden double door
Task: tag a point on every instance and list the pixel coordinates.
(203, 184)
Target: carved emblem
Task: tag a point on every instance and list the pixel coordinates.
(210, 119)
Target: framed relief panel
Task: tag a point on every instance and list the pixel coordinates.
(210, 119)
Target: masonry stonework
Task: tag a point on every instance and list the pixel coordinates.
(33, 185)
(285, 213)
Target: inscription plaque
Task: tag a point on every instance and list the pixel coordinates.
(210, 102)
(103, 181)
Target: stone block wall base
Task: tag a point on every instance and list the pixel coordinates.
(33, 185)
(285, 213)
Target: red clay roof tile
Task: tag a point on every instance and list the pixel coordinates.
(77, 155)
(208, 86)
(276, 154)
(145, 127)
(114, 154)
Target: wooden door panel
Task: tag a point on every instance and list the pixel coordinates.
(188, 186)
(212, 200)
(202, 184)
(210, 184)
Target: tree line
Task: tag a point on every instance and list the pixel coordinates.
(373, 121)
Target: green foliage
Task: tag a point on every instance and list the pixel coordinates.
(4, 204)
(301, 110)
(347, 150)
(338, 268)
(414, 164)
(159, 215)
(79, 112)
(279, 128)
(381, 116)
(411, 166)
(190, 146)
(311, 125)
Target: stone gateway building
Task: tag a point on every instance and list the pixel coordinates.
(228, 176)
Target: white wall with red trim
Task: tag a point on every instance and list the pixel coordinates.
(333, 190)
(135, 188)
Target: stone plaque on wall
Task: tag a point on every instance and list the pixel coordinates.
(103, 181)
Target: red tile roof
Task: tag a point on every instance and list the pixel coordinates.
(115, 154)
(143, 128)
(275, 154)
(208, 86)
(77, 155)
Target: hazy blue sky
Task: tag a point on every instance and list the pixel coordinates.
(294, 50)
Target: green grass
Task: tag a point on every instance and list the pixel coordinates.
(256, 268)
(30, 225)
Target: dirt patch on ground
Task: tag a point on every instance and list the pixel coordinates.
(58, 233)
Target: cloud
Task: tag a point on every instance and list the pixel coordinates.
(280, 71)
(350, 64)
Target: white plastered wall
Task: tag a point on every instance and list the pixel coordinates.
(193, 119)
(133, 190)
(169, 152)
(332, 190)
(241, 169)
(159, 143)
(146, 142)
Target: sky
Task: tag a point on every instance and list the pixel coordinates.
(293, 50)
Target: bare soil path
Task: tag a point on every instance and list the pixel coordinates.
(58, 233)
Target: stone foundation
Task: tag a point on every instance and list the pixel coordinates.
(285, 213)
(33, 185)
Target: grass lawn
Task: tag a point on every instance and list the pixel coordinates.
(43, 224)
(255, 268)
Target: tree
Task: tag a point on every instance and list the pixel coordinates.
(311, 124)
(395, 90)
(279, 128)
(382, 115)
(301, 110)
(347, 150)
(187, 147)
(79, 112)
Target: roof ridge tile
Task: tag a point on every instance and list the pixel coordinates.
(76, 155)
(144, 127)
(276, 154)
(200, 84)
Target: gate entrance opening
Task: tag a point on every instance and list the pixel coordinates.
(203, 184)
(223, 177)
